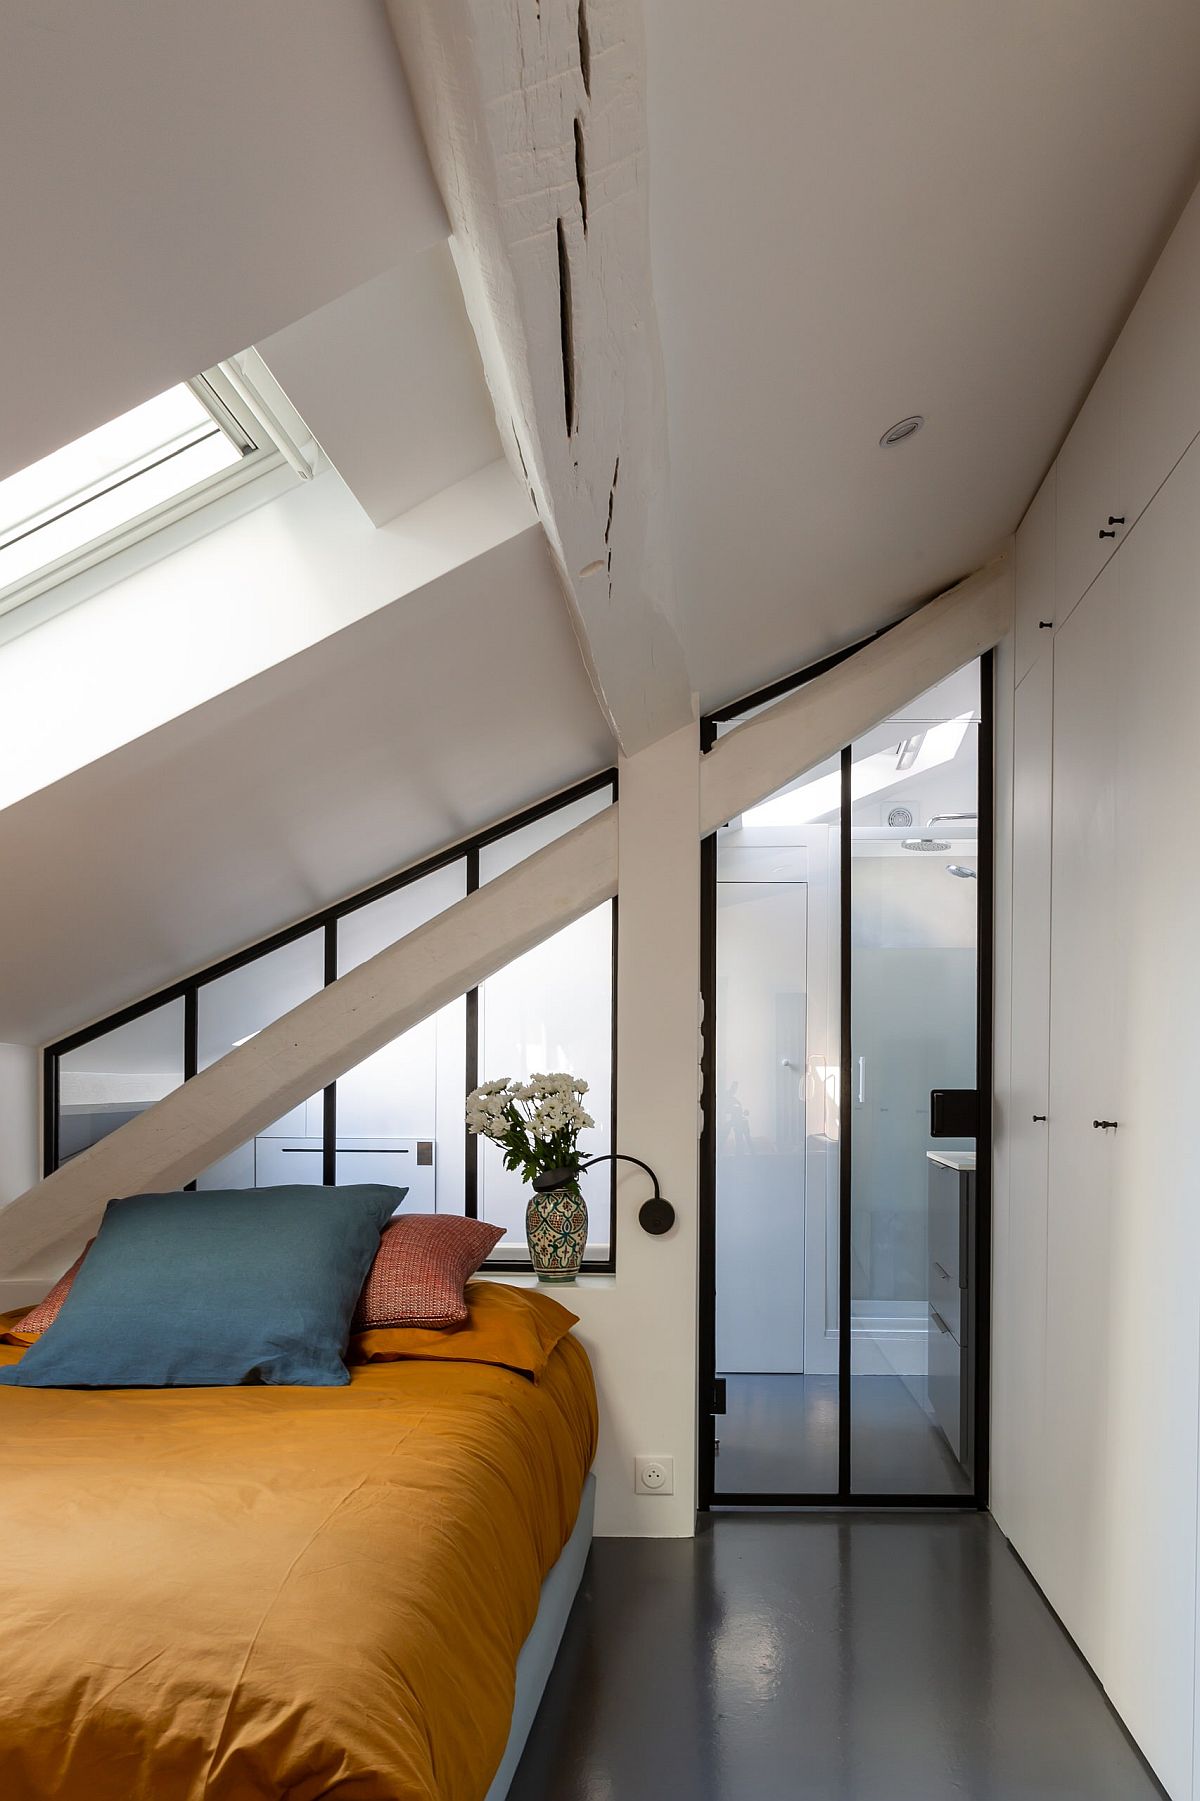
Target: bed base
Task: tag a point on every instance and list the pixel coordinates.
(541, 1647)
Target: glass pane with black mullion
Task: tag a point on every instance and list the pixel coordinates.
(112, 1077)
(913, 982)
(776, 1127)
(552, 1010)
(399, 1113)
(231, 1010)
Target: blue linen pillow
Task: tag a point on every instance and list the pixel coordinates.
(209, 1289)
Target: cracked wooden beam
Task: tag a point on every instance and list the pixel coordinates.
(534, 116)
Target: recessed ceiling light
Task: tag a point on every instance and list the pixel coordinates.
(903, 428)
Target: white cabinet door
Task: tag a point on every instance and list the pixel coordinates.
(1151, 1323)
(1089, 490)
(1028, 1106)
(1035, 596)
(1083, 1027)
(1160, 358)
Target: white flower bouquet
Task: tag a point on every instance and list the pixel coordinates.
(536, 1123)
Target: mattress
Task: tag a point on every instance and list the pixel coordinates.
(268, 1592)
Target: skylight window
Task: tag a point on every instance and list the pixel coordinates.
(132, 476)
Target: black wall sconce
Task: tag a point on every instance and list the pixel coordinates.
(655, 1216)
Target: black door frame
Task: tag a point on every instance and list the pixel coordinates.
(709, 1400)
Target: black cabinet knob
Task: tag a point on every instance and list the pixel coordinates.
(1038, 1117)
(1105, 1125)
(1045, 625)
(1106, 534)
(1116, 518)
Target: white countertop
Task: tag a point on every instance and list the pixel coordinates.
(953, 1159)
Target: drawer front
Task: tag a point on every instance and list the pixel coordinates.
(944, 1219)
(945, 1296)
(945, 1381)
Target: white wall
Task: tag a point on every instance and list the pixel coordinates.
(639, 1326)
(19, 1090)
(18, 1120)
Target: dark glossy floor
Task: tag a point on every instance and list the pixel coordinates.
(779, 1435)
(816, 1657)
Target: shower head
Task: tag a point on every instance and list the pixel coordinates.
(924, 844)
(960, 869)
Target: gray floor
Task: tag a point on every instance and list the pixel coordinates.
(779, 1435)
(819, 1657)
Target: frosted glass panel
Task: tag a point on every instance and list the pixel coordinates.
(514, 847)
(234, 1009)
(913, 908)
(552, 1010)
(118, 1075)
(400, 1113)
(777, 1125)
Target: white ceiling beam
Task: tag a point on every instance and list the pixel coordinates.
(318, 1041)
(817, 720)
(534, 117)
(297, 1056)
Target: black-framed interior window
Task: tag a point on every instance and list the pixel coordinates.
(847, 971)
(398, 1116)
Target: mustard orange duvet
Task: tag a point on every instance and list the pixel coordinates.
(278, 1592)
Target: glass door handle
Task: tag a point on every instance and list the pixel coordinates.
(862, 1081)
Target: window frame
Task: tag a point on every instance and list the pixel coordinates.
(710, 1392)
(188, 989)
(239, 410)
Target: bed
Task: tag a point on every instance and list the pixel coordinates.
(304, 1592)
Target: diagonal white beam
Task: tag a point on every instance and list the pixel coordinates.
(321, 1039)
(534, 117)
(800, 731)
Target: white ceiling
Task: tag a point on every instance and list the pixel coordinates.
(181, 179)
(861, 211)
(360, 755)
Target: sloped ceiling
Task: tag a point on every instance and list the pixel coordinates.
(857, 212)
(182, 179)
(358, 756)
(860, 212)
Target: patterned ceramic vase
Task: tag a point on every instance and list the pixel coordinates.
(556, 1226)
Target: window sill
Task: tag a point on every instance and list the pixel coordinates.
(523, 1278)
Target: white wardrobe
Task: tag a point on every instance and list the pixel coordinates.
(1096, 1352)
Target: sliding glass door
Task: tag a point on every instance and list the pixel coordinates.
(843, 1256)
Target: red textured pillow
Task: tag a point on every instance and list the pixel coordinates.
(421, 1268)
(47, 1310)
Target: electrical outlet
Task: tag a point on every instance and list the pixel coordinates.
(654, 1475)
